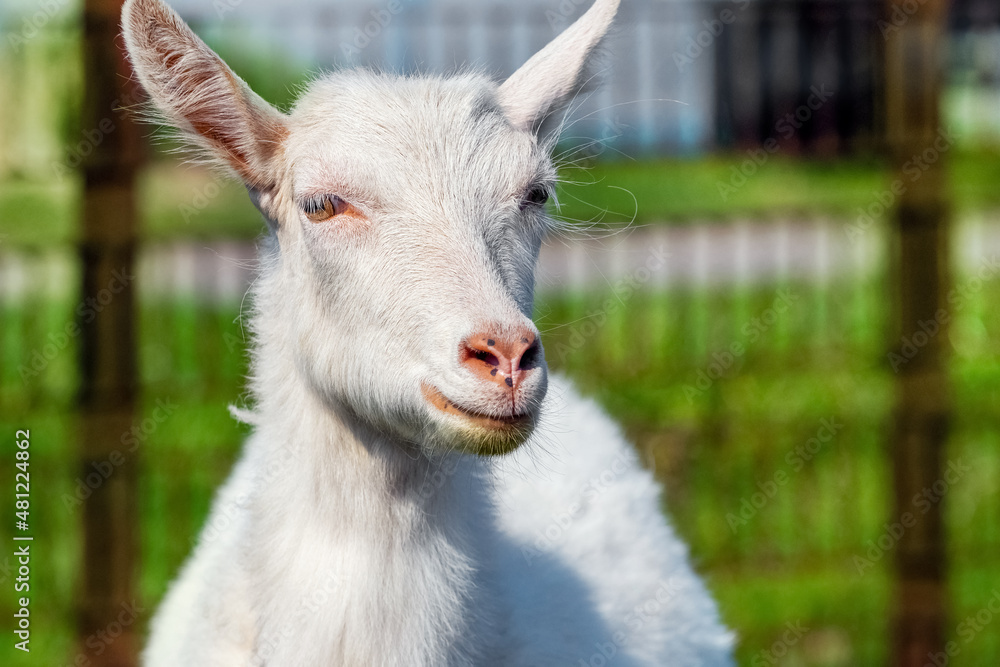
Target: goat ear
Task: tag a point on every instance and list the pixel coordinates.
(199, 95)
(554, 74)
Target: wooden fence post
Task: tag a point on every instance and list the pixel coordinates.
(107, 598)
(914, 53)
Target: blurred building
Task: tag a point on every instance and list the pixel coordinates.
(686, 76)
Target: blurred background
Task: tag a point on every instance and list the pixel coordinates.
(780, 271)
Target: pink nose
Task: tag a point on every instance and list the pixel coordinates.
(505, 359)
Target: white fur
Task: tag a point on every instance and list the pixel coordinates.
(355, 530)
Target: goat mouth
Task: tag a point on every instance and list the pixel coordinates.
(512, 422)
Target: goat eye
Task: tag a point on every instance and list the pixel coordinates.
(537, 196)
(321, 209)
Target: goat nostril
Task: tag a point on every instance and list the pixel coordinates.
(529, 358)
(486, 356)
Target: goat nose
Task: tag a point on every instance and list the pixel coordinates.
(501, 358)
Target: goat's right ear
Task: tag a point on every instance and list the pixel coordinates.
(553, 75)
(199, 95)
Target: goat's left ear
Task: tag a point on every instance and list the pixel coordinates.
(557, 72)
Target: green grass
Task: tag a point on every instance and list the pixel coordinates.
(675, 189)
(790, 562)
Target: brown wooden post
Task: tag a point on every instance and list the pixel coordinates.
(107, 599)
(915, 40)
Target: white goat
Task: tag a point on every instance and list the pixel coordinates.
(369, 521)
